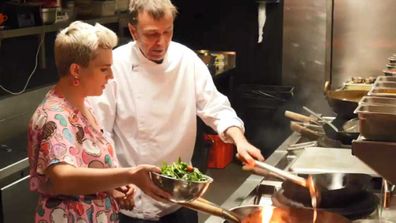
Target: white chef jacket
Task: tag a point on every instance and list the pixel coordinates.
(150, 111)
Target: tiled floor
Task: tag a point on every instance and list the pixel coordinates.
(225, 182)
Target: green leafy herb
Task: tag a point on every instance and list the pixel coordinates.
(182, 170)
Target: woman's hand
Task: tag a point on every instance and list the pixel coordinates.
(124, 197)
(141, 178)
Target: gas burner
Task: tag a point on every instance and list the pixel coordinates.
(362, 207)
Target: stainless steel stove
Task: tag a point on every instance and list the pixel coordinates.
(269, 190)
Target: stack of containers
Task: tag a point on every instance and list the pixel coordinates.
(377, 110)
(390, 69)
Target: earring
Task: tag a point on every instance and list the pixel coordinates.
(76, 81)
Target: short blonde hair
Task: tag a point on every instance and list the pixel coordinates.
(78, 42)
(155, 8)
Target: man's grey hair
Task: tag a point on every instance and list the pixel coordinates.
(155, 8)
(78, 43)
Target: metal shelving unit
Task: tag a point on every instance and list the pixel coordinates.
(40, 31)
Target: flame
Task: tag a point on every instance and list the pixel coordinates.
(314, 197)
(266, 214)
(263, 215)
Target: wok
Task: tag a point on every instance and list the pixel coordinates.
(267, 214)
(335, 189)
(345, 131)
(355, 209)
(339, 129)
(343, 102)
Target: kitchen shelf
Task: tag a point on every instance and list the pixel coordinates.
(37, 30)
(40, 31)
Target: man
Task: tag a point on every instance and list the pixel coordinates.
(151, 106)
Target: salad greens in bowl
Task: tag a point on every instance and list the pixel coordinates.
(184, 182)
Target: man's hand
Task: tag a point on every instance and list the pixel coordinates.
(246, 152)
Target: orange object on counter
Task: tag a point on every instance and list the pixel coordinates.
(220, 153)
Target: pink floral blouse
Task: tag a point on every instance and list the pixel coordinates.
(60, 134)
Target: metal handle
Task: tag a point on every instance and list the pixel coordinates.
(298, 117)
(201, 204)
(281, 173)
(327, 87)
(313, 135)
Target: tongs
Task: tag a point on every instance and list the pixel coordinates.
(284, 175)
(319, 117)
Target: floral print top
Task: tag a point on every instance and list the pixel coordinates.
(58, 133)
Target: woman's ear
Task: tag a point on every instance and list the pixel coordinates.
(74, 69)
(132, 31)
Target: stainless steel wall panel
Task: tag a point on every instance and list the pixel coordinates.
(364, 37)
(304, 50)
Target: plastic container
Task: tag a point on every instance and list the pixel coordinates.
(221, 154)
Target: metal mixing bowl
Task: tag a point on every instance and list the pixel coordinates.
(181, 190)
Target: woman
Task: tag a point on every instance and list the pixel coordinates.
(72, 163)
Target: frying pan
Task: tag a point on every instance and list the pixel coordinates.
(343, 102)
(266, 214)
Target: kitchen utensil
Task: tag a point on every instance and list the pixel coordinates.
(346, 130)
(304, 131)
(329, 184)
(351, 126)
(302, 145)
(281, 173)
(343, 193)
(335, 130)
(181, 190)
(201, 204)
(319, 136)
(335, 188)
(359, 206)
(261, 214)
(319, 117)
(299, 117)
(343, 102)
